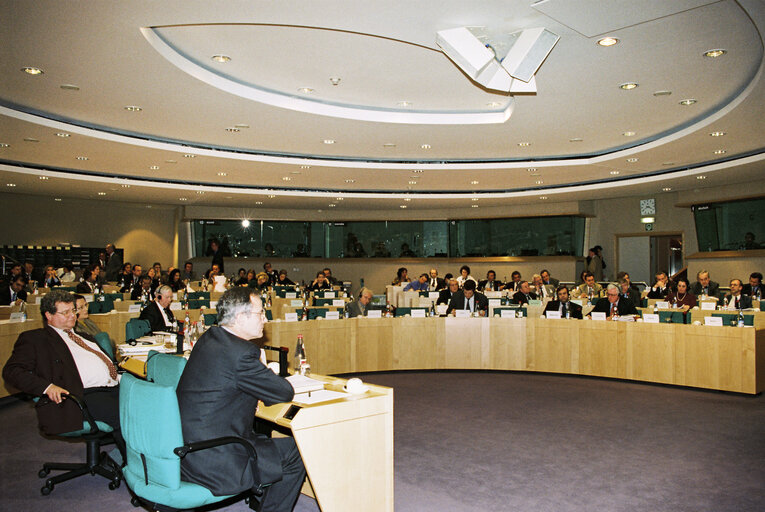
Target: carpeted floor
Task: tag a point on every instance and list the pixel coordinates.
(493, 441)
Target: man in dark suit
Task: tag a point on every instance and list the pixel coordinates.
(629, 293)
(88, 283)
(158, 311)
(445, 295)
(146, 287)
(490, 283)
(704, 285)
(469, 299)
(754, 288)
(14, 292)
(134, 281)
(359, 307)
(524, 295)
(217, 396)
(53, 362)
(614, 305)
(435, 283)
(546, 279)
(735, 299)
(662, 287)
(566, 308)
(514, 285)
(217, 254)
(113, 263)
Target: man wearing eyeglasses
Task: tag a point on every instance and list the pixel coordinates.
(614, 305)
(54, 362)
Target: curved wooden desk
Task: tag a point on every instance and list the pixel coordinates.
(723, 358)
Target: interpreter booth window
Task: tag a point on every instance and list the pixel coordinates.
(386, 239)
(529, 236)
(731, 226)
(259, 239)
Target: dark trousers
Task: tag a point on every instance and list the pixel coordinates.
(104, 405)
(283, 495)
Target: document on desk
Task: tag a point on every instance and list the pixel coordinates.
(317, 397)
(304, 384)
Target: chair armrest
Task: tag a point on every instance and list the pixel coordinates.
(85, 413)
(181, 451)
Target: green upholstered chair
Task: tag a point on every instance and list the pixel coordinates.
(199, 295)
(135, 328)
(155, 449)
(94, 434)
(324, 302)
(511, 307)
(314, 313)
(103, 341)
(671, 317)
(164, 369)
(403, 311)
(212, 318)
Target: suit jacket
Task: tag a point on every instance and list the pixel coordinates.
(747, 290)
(598, 290)
(658, 293)
(445, 296)
(354, 309)
(554, 283)
(513, 286)
(153, 315)
(40, 357)
(217, 258)
(623, 307)
(138, 292)
(440, 284)
(550, 289)
(83, 287)
(575, 310)
(217, 396)
(745, 301)
(5, 295)
(113, 267)
(482, 285)
(632, 295)
(458, 301)
(714, 289)
(520, 298)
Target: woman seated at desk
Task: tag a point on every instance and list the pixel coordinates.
(84, 324)
(174, 280)
(401, 277)
(682, 298)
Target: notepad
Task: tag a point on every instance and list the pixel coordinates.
(304, 383)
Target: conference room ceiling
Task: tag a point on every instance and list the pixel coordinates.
(409, 128)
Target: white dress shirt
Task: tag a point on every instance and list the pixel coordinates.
(92, 369)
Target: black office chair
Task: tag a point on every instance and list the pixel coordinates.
(95, 434)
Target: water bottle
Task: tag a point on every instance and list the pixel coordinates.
(300, 362)
(568, 313)
(740, 318)
(432, 308)
(202, 327)
(23, 311)
(187, 322)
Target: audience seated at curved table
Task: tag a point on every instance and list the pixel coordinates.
(401, 277)
(661, 287)
(682, 297)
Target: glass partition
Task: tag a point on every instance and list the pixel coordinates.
(730, 226)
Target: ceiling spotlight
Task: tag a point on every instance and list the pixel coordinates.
(4, 145)
(286, 178)
(82, 158)
(701, 177)
(543, 197)
(32, 71)
(201, 192)
(715, 53)
(171, 161)
(182, 199)
(258, 203)
(474, 199)
(232, 129)
(413, 182)
(329, 141)
(402, 206)
(331, 205)
(189, 155)
(70, 87)
(350, 181)
(524, 144)
(404, 103)
(717, 134)
(628, 86)
(576, 139)
(666, 189)
(608, 41)
(532, 169)
(102, 193)
(689, 101)
(43, 178)
(474, 182)
(222, 174)
(339, 199)
(614, 173)
(125, 185)
(407, 199)
(270, 196)
(632, 160)
(474, 206)
(720, 151)
(63, 134)
(305, 90)
(417, 170)
(539, 182)
(425, 146)
(245, 223)
(57, 199)
(10, 184)
(334, 80)
(133, 108)
(628, 134)
(154, 167)
(221, 58)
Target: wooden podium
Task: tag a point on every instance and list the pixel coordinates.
(346, 446)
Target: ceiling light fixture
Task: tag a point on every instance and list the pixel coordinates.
(576, 139)
(662, 93)
(305, 90)
(222, 174)
(689, 101)
(270, 196)
(539, 182)
(474, 199)
(221, 58)
(305, 166)
(666, 189)
(417, 170)
(10, 184)
(4, 145)
(329, 141)
(245, 223)
(615, 173)
(607, 41)
(82, 158)
(32, 71)
(182, 199)
(331, 205)
(717, 134)
(717, 52)
(43, 178)
(532, 169)
(154, 167)
(171, 161)
(31, 139)
(339, 198)
(70, 87)
(286, 178)
(133, 108)
(63, 135)
(628, 86)
(413, 182)
(350, 181)
(57, 199)
(474, 206)
(242, 125)
(524, 144)
(632, 160)
(404, 103)
(201, 192)
(425, 146)
(189, 155)
(232, 129)
(701, 177)
(628, 134)
(125, 185)
(258, 203)
(543, 197)
(720, 151)
(102, 193)
(335, 80)
(402, 206)
(474, 182)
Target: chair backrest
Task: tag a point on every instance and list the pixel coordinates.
(151, 426)
(732, 318)
(212, 319)
(314, 313)
(164, 369)
(102, 338)
(135, 328)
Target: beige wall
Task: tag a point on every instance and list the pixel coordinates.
(146, 234)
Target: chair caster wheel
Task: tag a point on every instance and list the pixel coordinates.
(46, 490)
(114, 484)
(135, 502)
(43, 472)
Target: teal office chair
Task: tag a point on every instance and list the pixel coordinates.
(103, 341)
(212, 318)
(511, 307)
(314, 313)
(324, 302)
(732, 319)
(671, 317)
(135, 328)
(199, 295)
(94, 434)
(155, 449)
(164, 369)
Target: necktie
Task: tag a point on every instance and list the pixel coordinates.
(13, 296)
(563, 312)
(736, 302)
(78, 340)
(613, 309)
(433, 284)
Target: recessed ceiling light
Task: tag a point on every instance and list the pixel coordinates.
(305, 90)
(133, 108)
(543, 197)
(329, 141)
(32, 71)
(189, 155)
(245, 223)
(493, 104)
(82, 158)
(171, 161)
(417, 170)
(425, 146)
(668, 163)
(102, 193)
(404, 103)
(31, 139)
(628, 134)
(339, 198)
(43, 178)
(57, 199)
(701, 177)
(286, 178)
(632, 160)
(474, 182)
(305, 166)
(125, 185)
(662, 93)
(350, 181)
(474, 199)
(407, 199)
(717, 52)
(666, 189)
(222, 174)
(10, 184)
(532, 169)
(689, 101)
(720, 151)
(331, 205)
(201, 192)
(539, 182)
(615, 173)
(402, 206)
(413, 182)
(628, 86)
(70, 87)
(182, 199)
(335, 80)
(221, 58)
(154, 167)
(4, 145)
(524, 144)
(576, 139)
(474, 206)
(717, 134)
(148, 206)
(389, 145)
(244, 126)
(63, 134)
(608, 41)
(271, 196)
(232, 129)
(258, 203)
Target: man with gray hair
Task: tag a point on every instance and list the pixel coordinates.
(360, 307)
(158, 311)
(613, 304)
(218, 394)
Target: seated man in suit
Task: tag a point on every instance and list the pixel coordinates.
(735, 299)
(218, 393)
(524, 294)
(158, 311)
(546, 279)
(589, 289)
(435, 283)
(541, 290)
(420, 285)
(129, 285)
(188, 271)
(328, 275)
(445, 295)
(469, 299)
(629, 293)
(563, 305)
(490, 283)
(53, 362)
(514, 285)
(359, 307)
(88, 283)
(144, 289)
(14, 293)
(613, 304)
(704, 285)
(754, 288)
(661, 288)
